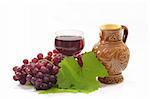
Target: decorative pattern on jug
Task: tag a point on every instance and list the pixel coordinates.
(115, 59)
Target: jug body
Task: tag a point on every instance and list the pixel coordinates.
(113, 52)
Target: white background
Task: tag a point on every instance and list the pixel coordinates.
(27, 27)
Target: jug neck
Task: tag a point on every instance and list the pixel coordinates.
(111, 35)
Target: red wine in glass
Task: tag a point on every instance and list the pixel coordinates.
(69, 45)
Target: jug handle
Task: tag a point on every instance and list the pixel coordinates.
(125, 33)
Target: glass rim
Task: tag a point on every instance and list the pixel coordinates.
(69, 32)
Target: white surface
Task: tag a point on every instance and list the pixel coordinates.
(27, 28)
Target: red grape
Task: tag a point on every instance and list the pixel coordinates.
(28, 70)
(40, 56)
(50, 53)
(22, 81)
(46, 79)
(53, 79)
(49, 66)
(18, 74)
(39, 75)
(15, 68)
(56, 61)
(35, 70)
(38, 82)
(33, 79)
(18, 69)
(55, 70)
(44, 69)
(34, 60)
(15, 78)
(44, 86)
(25, 61)
(29, 77)
(55, 51)
(38, 65)
(50, 84)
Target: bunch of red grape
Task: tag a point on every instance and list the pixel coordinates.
(40, 72)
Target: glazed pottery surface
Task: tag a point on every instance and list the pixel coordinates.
(112, 51)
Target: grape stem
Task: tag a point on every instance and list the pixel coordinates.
(45, 60)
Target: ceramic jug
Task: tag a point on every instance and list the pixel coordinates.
(112, 51)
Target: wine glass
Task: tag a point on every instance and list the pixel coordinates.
(69, 42)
